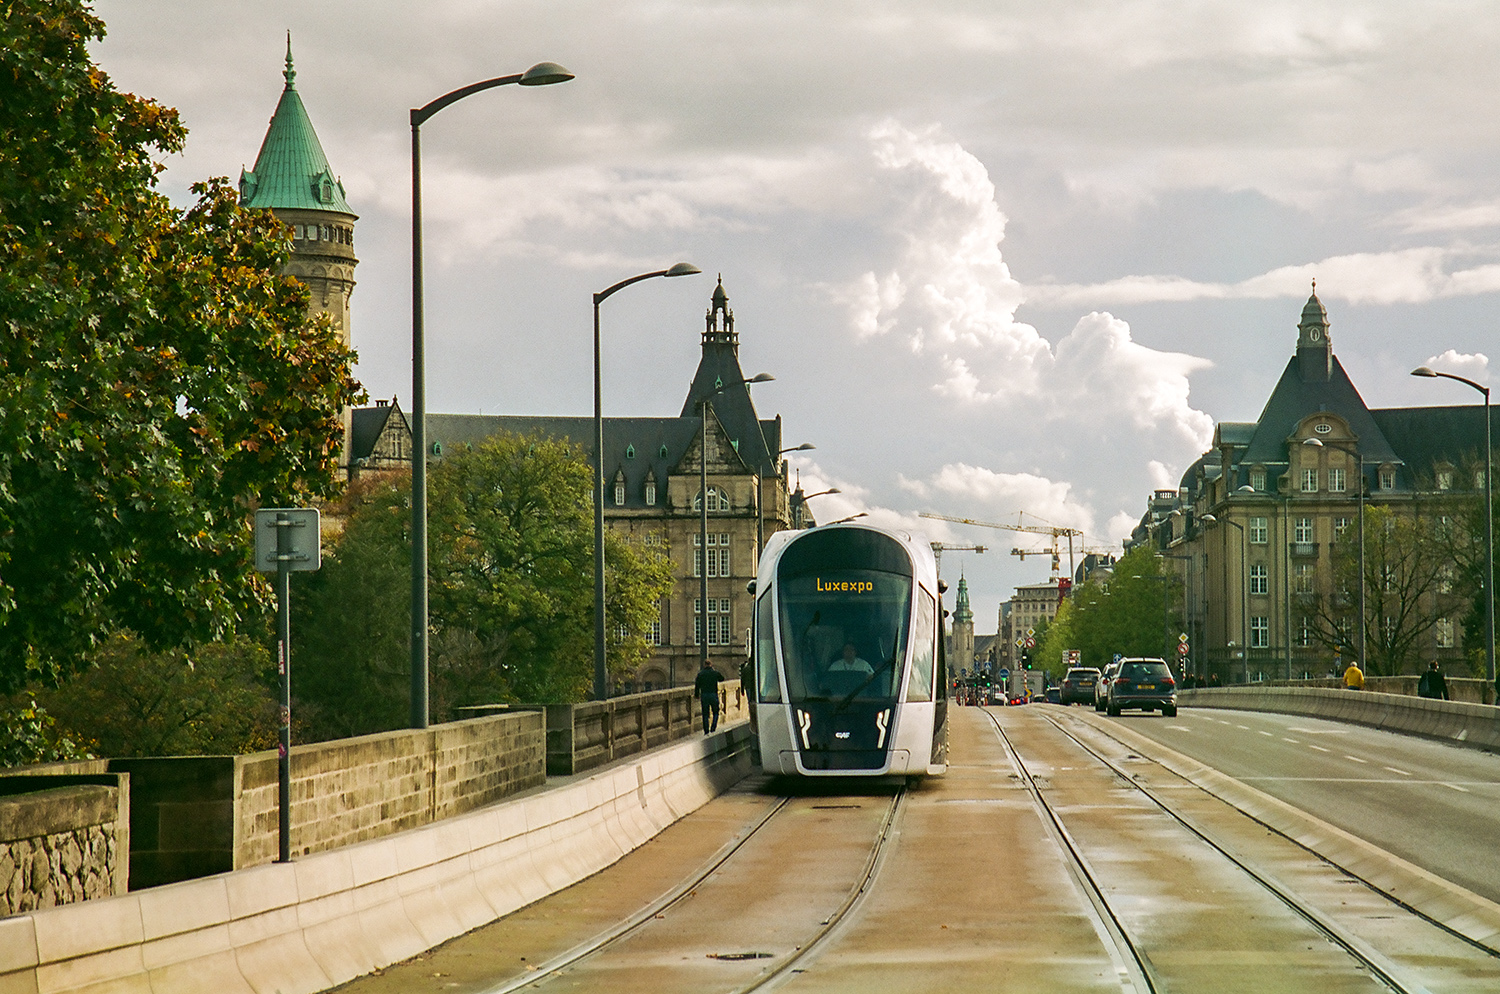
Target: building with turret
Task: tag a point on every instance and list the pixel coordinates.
(1256, 531)
(292, 179)
(652, 492)
(961, 642)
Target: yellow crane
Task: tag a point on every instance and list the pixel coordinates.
(1053, 531)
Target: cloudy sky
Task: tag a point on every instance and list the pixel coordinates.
(1001, 257)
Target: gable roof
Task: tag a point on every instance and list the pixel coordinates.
(1294, 399)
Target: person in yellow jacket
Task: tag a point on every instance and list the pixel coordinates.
(1353, 678)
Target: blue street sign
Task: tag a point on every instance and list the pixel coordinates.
(1004, 673)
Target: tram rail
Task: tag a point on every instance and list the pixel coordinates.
(780, 971)
(1139, 972)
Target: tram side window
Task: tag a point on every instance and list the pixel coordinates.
(919, 687)
(765, 651)
(942, 672)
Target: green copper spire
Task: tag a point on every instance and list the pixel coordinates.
(291, 170)
(962, 612)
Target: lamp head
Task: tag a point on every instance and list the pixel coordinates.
(683, 269)
(761, 378)
(1423, 371)
(1208, 519)
(1313, 441)
(543, 74)
(804, 447)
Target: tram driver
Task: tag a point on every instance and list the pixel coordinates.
(850, 662)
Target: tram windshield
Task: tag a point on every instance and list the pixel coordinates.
(844, 633)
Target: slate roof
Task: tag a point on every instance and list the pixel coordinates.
(291, 170)
(366, 424)
(1426, 436)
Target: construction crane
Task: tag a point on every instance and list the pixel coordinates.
(938, 548)
(1051, 530)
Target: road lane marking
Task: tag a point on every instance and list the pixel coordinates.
(1295, 742)
(1454, 786)
(1354, 759)
(1319, 748)
(1392, 769)
(1245, 728)
(1266, 734)
(1180, 728)
(1318, 731)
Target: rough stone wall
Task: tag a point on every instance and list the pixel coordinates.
(57, 847)
(363, 788)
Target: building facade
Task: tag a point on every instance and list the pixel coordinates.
(1254, 528)
(652, 493)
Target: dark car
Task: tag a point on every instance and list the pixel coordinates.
(1101, 686)
(1142, 683)
(1054, 695)
(1078, 686)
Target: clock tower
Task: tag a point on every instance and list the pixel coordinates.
(1314, 351)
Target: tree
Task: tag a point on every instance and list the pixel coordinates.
(1124, 614)
(512, 568)
(135, 702)
(158, 375)
(511, 592)
(1404, 569)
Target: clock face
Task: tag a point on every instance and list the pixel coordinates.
(1314, 334)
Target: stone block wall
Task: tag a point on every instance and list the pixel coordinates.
(60, 845)
(351, 790)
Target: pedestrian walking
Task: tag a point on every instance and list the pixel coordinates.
(706, 686)
(1353, 678)
(1432, 684)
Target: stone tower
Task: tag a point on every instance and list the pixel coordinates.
(292, 178)
(963, 630)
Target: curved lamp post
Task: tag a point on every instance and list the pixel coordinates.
(1489, 524)
(541, 74)
(601, 673)
(760, 518)
(703, 510)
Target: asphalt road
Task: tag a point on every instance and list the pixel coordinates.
(1433, 805)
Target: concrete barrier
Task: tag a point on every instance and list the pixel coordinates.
(1476, 726)
(305, 926)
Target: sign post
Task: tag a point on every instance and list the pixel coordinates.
(286, 539)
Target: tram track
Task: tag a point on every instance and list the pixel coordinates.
(788, 965)
(1139, 971)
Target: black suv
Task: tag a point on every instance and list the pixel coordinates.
(1142, 683)
(1078, 686)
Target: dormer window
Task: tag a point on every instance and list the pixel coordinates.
(1445, 479)
(1257, 479)
(1387, 478)
(650, 493)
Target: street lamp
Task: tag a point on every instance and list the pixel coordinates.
(804, 498)
(1244, 593)
(703, 510)
(1489, 524)
(1359, 458)
(541, 74)
(760, 518)
(601, 674)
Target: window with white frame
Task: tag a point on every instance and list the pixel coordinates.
(1260, 631)
(1305, 575)
(650, 493)
(653, 629)
(1337, 482)
(1387, 478)
(1309, 481)
(1257, 532)
(620, 493)
(1445, 578)
(1341, 525)
(1257, 479)
(718, 501)
(1445, 479)
(1444, 632)
(719, 630)
(1258, 580)
(1302, 532)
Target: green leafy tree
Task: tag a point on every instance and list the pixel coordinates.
(28, 734)
(1129, 613)
(511, 592)
(135, 702)
(158, 375)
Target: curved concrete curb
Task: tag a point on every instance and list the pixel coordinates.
(301, 927)
(1476, 726)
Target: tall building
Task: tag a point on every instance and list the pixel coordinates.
(292, 178)
(1255, 524)
(961, 652)
(652, 492)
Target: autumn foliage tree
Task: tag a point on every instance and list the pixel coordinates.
(159, 377)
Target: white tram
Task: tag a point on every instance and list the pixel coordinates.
(847, 665)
